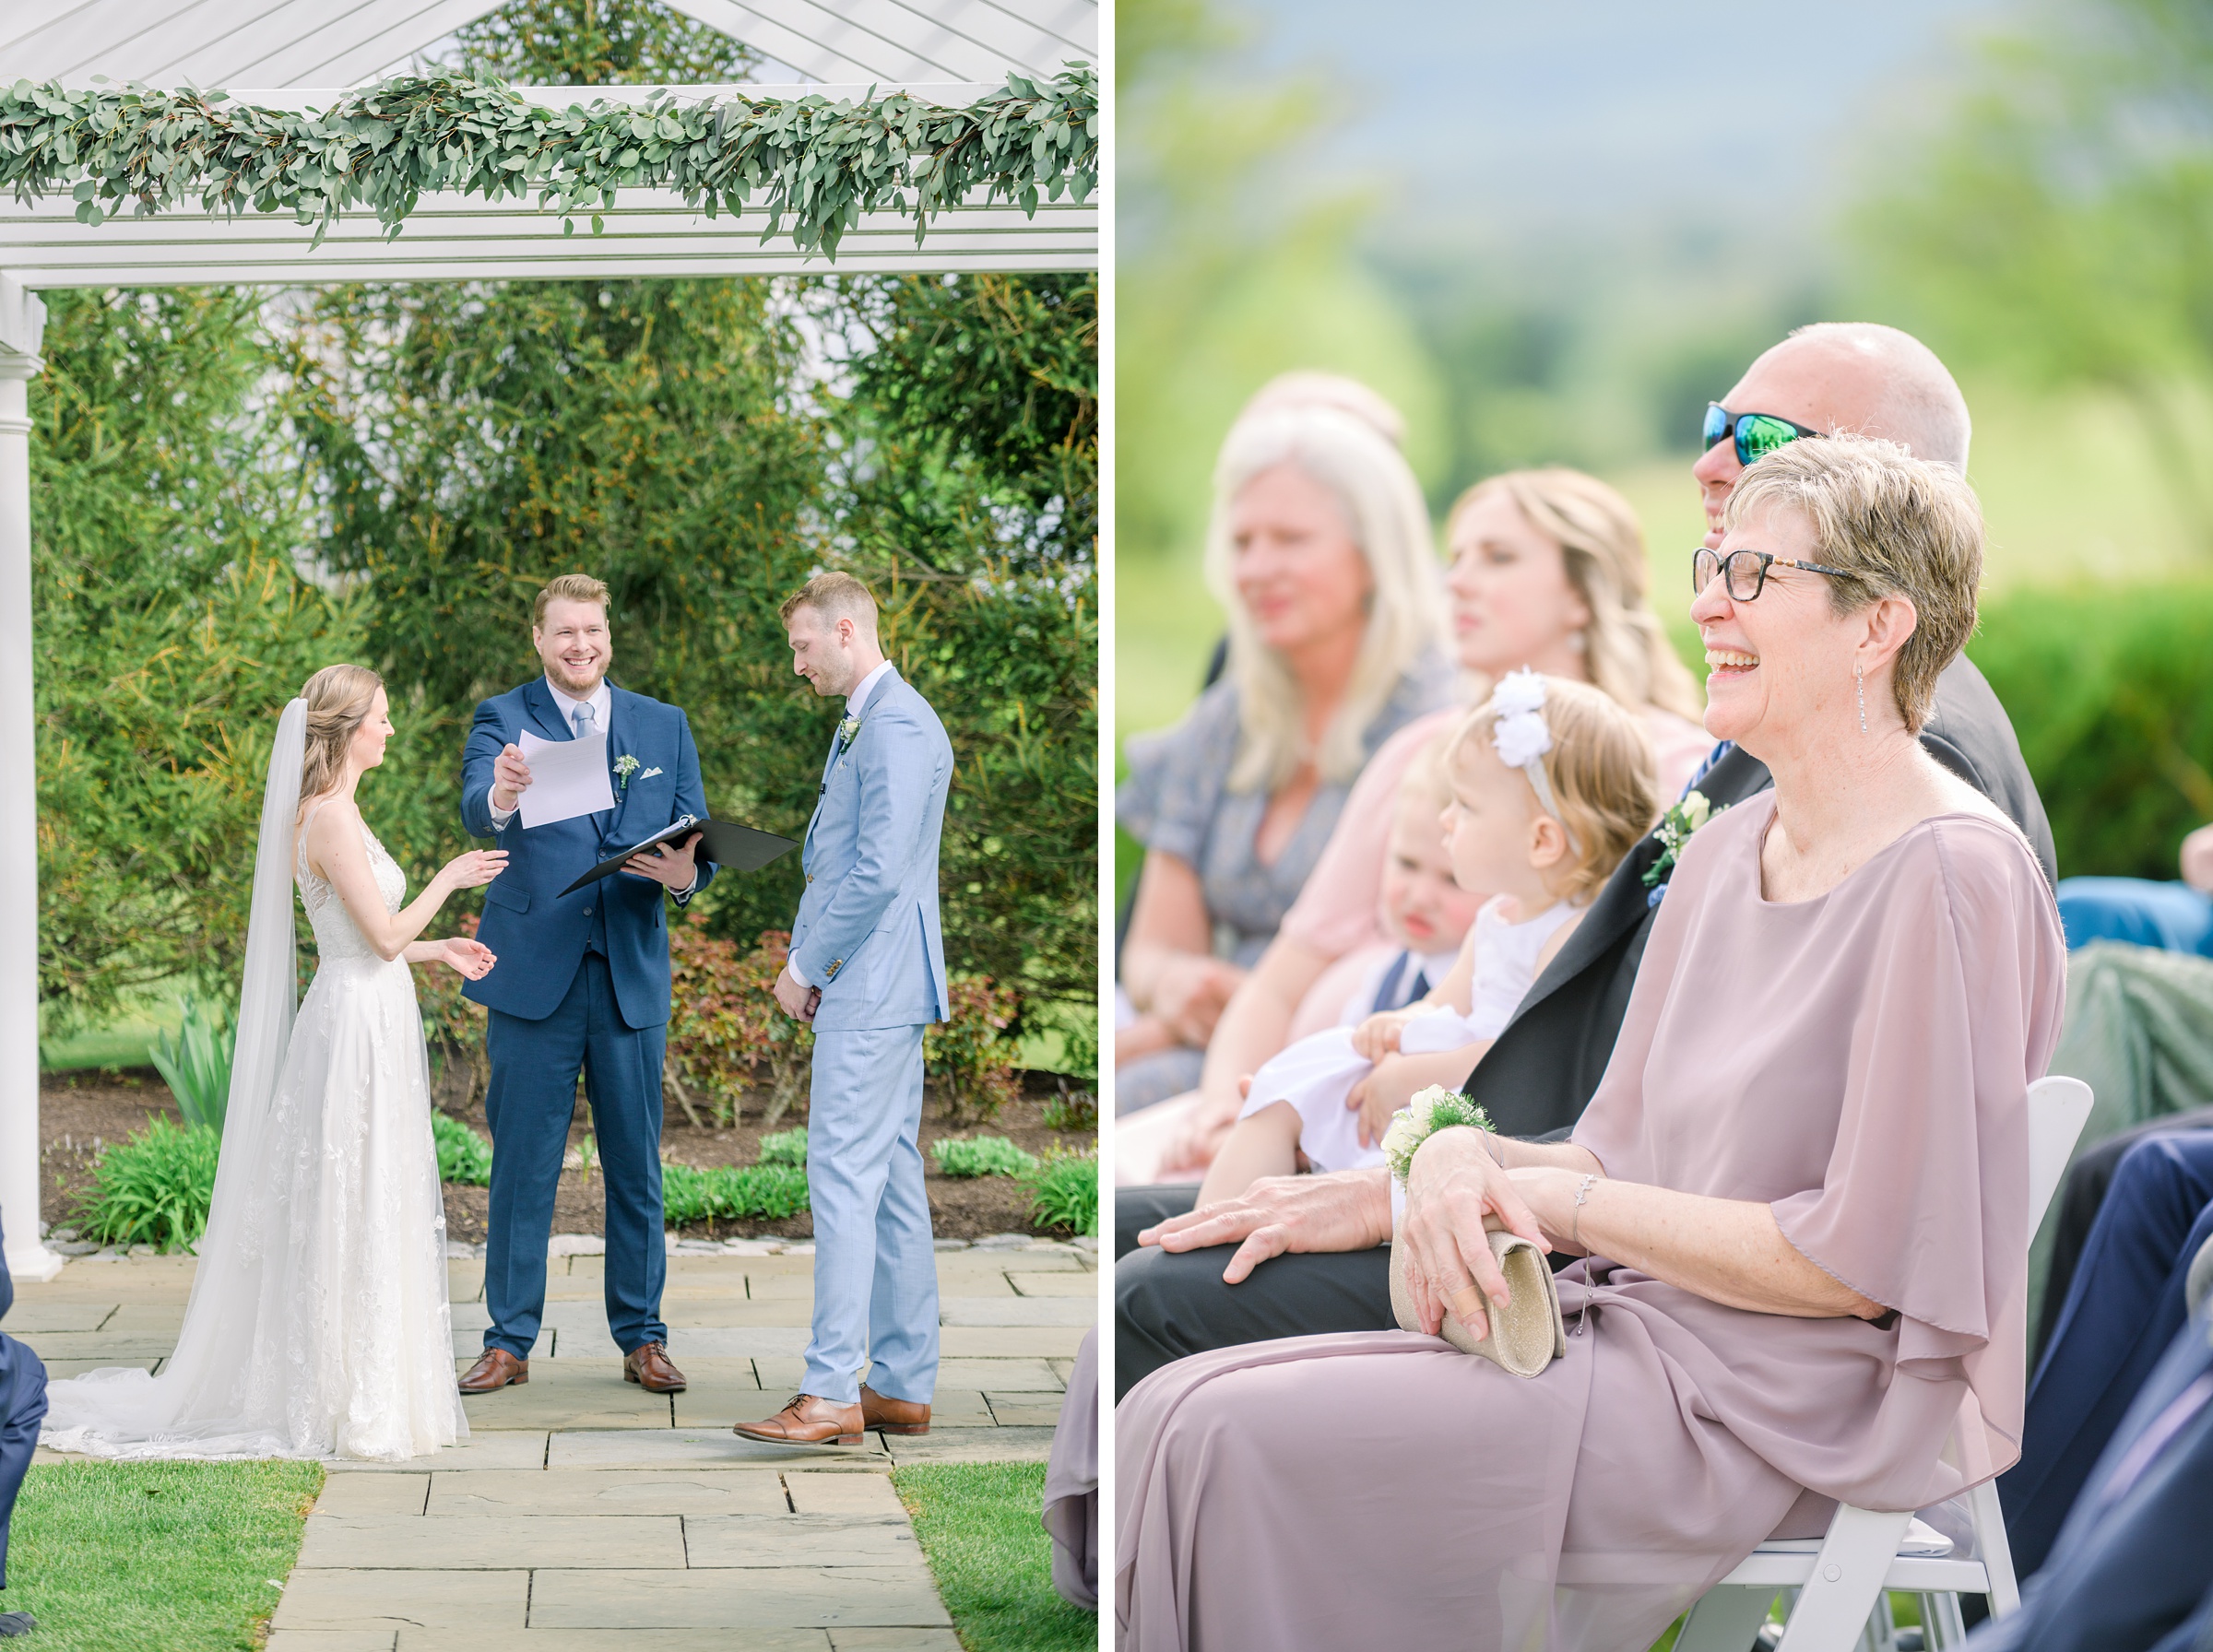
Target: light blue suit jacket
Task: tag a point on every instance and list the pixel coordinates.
(867, 932)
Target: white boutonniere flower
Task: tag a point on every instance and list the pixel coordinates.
(625, 766)
(845, 731)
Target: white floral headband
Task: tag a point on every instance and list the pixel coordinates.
(1522, 735)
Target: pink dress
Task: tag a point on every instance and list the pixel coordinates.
(1337, 906)
(1859, 1062)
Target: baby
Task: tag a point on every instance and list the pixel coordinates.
(1551, 783)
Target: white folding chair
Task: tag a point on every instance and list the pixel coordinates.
(1841, 1582)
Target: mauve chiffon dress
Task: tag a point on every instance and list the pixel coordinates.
(1859, 1062)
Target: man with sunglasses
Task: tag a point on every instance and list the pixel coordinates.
(1192, 1292)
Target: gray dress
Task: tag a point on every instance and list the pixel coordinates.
(1175, 800)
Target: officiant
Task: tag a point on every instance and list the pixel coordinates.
(583, 986)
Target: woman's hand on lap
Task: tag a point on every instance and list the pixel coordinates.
(1455, 1196)
(1190, 994)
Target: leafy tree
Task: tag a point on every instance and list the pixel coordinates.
(602, 42)
(170, 627)
(2057, 227)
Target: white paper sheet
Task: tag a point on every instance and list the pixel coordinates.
(567, 778)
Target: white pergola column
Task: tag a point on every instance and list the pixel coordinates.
(22, 321)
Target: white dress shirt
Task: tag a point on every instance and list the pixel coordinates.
(854, 702)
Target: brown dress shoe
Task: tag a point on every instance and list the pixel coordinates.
(893, 1416)
(497, 1369)
(647, 1365)
(807, 1419)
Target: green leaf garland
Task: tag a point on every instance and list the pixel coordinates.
(819, 164)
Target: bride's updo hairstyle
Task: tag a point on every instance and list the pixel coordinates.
(1605, 787)
(339, 699)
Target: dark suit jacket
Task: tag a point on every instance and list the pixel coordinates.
(1538, 1076)
(539, 933)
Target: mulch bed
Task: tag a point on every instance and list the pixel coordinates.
(79, 1111)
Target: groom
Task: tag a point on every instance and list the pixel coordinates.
(868, 969)
(585, 982)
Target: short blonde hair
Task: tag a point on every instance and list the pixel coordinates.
(568, 587)
(1897, 526)
(1626, 650)
(839, 596)
(1601, 771)
(339, 699)
(1385, 516)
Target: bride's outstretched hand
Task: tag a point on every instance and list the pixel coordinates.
(477, 867)
(1455, 1196)
(472, 959)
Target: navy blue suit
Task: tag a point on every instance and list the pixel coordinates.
(2121, 1311)
(22, 1404)
(580, 986)
(2132, 1568)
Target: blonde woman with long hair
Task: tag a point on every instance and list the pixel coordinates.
(1546, 570)
(1319, 552)
(318, 1325)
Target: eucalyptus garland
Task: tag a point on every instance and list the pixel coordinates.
(819, 163)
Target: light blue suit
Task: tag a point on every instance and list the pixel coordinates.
(867, 933)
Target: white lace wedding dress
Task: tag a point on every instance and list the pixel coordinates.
(318, 1325)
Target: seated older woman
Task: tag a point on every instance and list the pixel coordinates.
(1801, 1191)
(1319, 551)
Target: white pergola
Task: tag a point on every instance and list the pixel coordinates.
(306, 54)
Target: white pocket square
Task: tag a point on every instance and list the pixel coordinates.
(649, 774)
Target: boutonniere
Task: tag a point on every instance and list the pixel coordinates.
(1675, 829)
(625, 766)
(845, 731)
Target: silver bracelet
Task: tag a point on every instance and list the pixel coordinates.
(1575, 1224)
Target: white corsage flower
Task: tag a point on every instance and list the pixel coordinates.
(845, 731)
(1427, 1112)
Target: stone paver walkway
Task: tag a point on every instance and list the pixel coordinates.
(583, 1509)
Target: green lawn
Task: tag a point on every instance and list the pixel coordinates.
(188, 1557)
(979, 1527)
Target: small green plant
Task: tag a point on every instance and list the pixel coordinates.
(1073, 1111)
(196, 1064)
(980, 1156)
(1064, 1191)
(786, 1147)
(743, 1193)
(153, 1189)
(463, 1155)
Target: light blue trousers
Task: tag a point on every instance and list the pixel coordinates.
(875, 1269)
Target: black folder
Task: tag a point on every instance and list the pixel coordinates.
(727, 843)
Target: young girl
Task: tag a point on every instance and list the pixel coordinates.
(1551, 782)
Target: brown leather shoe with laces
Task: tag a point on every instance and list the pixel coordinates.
(497, 1369)
(647, 1365)
(893, 1416)
(807, 1419)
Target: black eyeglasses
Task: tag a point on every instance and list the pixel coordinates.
(1746, 570)
(1757, 434)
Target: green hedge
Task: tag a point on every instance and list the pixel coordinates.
(2110, 692)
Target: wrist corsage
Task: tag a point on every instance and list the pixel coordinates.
(1429, 1111)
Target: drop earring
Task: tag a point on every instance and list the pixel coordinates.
(1859, 676)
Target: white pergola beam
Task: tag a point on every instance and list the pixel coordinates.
(453, 238)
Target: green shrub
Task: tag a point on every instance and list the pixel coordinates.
(195, 1064)
(970, 1053)
(2111, 692)
(1064, 1190)
(980, 1156)
(152, 1189)
(744, 1193)
(786, 1147)
(463, 1155)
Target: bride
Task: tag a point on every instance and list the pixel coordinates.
(318, 1323)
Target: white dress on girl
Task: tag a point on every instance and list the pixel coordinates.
(1316, 1073)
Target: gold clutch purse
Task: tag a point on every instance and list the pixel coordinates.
(1526, 1336)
